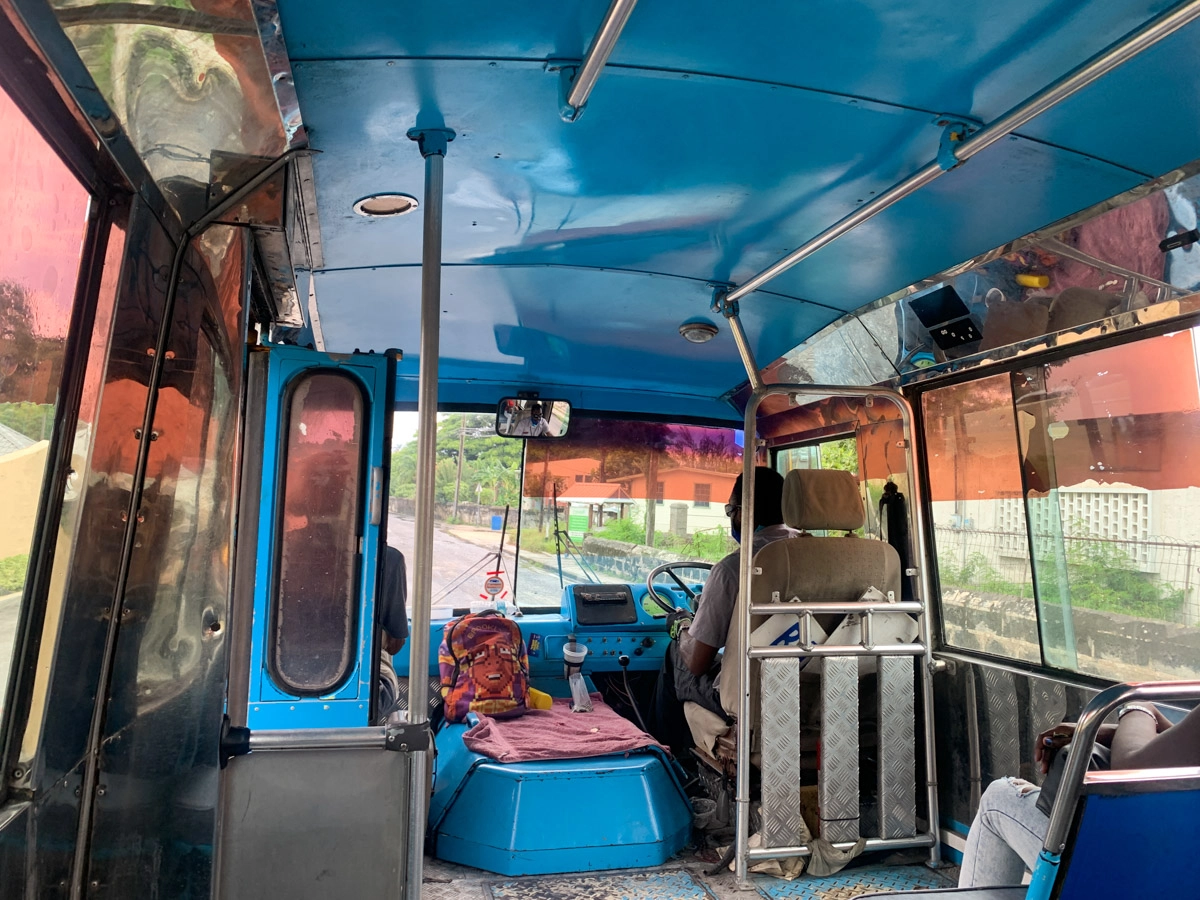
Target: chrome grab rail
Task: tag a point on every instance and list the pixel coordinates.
(743, 610)
(1093, 716)
(319, 739)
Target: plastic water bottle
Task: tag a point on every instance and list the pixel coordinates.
(502, 607)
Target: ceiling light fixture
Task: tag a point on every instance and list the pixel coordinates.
(698, 331)
(381, 206)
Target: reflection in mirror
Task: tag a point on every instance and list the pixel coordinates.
(532, 418)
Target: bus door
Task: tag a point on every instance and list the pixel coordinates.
(314, 800)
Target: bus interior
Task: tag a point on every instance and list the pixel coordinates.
(525, 291)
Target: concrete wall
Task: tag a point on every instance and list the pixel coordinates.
(1107, 644)
(21, 476)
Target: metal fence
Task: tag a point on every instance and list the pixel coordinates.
(1000, 562)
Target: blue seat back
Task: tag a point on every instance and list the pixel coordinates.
(1135, 839)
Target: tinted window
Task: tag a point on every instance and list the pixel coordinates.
(43, 220)
(1065, 506)
(315, 606)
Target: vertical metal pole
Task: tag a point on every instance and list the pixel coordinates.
(433, 147)
(925, 595)
(742, 658)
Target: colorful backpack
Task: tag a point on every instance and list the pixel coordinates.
(484, 667)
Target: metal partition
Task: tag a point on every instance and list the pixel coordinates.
(309, 824)
(838, 784)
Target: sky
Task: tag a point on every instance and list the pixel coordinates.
(404, 428)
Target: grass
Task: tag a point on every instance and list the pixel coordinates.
(12, 573)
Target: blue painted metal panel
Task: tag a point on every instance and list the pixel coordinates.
(270, 705)
(937, 55)
(631, 813)
(598, 333)
(545, 634)
(718, 139)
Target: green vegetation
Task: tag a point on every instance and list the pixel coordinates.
(1101, 575)
(12, 573)
(34, 420)
(709, 545)
(623, 530)
(840, 454)
(491, 465)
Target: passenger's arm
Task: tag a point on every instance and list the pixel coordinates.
(698, 655)
(391, 645)
(1145, 742)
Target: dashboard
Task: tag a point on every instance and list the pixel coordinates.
(611, 620)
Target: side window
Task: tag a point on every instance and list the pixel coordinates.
(43, 221)
(978, 519)
(1065, 510)
(315, 601)
(702, 494)
(1108, 450)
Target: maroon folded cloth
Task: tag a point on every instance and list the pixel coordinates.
(557, 733)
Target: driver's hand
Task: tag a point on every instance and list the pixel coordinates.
(677, 621)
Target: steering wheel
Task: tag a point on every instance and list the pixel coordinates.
(669, 569)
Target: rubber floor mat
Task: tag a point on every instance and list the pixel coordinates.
(851, 883)
(672, 884)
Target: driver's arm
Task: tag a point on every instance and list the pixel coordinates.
(698, 655)
(714, 611)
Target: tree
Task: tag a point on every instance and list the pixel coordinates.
(841, 454)
(487, 459)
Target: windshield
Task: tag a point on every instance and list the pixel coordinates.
(615, 499)
(608, 503)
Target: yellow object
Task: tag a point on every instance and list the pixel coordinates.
(538, 700)
(1028, 279)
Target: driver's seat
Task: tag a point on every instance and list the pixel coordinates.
(806, 568)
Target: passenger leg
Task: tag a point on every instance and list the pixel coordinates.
(1006, 836)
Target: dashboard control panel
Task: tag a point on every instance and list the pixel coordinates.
(604, 604)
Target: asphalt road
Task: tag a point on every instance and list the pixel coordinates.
(458, 576)
(455, 561)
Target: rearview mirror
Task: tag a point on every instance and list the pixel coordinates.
(532, 418)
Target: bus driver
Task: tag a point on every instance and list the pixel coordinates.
(691, 664)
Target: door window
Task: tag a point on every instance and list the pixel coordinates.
(315, 608)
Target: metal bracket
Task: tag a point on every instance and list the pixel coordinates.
(721, 303)
(432, 141)
(408, 738)
(954, 131)
(567, 112)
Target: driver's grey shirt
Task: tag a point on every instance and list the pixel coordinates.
(717, 600)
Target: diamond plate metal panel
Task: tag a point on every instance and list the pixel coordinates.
(852, 883)
(672, 884)
(837, 782)
(897, 748)
(1000, 731)
(1047, 704)
(782, 824)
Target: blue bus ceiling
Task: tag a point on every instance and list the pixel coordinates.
(717, 139)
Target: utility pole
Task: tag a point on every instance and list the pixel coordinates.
(462, 432)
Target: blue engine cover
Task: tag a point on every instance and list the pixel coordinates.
(607, 812)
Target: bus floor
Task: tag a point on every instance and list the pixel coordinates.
(685, 878)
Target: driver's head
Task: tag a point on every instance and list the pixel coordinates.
(535, 410)
(768, 499)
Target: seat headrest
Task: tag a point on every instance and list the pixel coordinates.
(822, 499)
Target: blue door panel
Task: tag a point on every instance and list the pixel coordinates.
(271, 704)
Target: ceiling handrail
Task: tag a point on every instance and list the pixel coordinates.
(964, 146)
